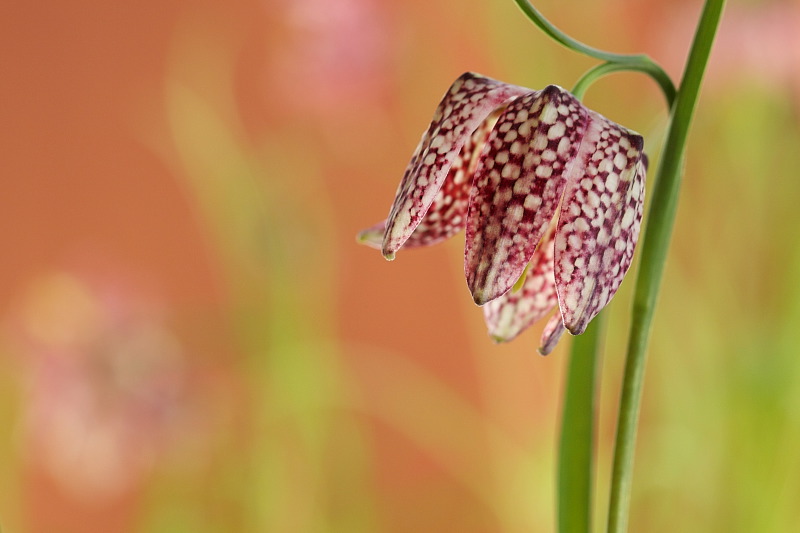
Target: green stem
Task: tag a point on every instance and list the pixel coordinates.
(647, 67)
(653, 256)
(562, 38)
(576, 449)
(615, 62)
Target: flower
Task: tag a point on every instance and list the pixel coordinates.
(540, 183)
(106, 383)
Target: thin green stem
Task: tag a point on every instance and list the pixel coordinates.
(654, 249)
(576, 449)
(647, 67)
(562, 38)
(637, 62)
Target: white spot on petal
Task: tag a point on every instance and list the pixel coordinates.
(627, 218)
(549, 114)
(556, 130)
(516, 212)
(581, 224)
(532, 202)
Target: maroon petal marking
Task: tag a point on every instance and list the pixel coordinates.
(447, 214)
(599, 222)
(518, 185)
(469, 101)
(510, 314)
(552, 334)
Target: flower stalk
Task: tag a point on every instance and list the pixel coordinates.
(576, 444)
(645, 67)
(574, 493)
(653, 255)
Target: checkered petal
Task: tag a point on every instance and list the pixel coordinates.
(552, 334)
(599, 223)
(513, 312)
(518, 185)
(447, 214)
(470, 100)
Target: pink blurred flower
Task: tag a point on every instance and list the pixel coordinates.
(334, 54)
(105, 381)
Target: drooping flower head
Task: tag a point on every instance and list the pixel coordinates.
(540, 182)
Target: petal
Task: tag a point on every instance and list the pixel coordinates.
(599, 223)
(469, 101)
(510, 314)
(372, 236)
(518, 185)
(447, 214)
(552, 334)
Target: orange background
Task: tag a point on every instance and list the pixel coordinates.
(192, 341)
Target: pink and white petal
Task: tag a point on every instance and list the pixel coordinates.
(447, 214)
(518, 186)
(470, 100)
(599, 222)
(372, 236)
(510, 314)
(552, 334)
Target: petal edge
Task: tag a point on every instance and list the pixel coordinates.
(518, 185)
(467, 103)
(599, 222)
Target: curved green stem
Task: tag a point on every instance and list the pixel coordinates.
(559, 36)
(636, 62)
(651, 267)
(576, 447)
(648, 67)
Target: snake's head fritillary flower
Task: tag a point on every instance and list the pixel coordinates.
(540, 182)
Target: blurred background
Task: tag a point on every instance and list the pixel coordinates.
(192, 341)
